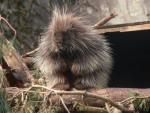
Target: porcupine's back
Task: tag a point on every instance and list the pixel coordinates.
(68, 40)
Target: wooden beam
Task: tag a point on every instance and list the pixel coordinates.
(125, 27)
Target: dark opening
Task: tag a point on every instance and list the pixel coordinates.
(131, 53)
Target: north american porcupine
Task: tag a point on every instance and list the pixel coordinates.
(72, 55)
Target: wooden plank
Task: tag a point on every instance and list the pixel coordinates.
(124, 27)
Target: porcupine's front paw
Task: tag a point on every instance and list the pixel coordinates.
(62, 86)
(79, 84)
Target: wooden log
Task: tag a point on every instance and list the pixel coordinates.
(95, 98)
(17, 72)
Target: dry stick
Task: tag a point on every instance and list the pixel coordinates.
(62, 101)
(2, 18)
(107, 107)
(20, 92)
(24, 102)
(98, 25)
(133, 98)
(28, 54)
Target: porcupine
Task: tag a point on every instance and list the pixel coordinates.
(72, 55)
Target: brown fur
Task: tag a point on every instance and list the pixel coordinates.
(72, 55)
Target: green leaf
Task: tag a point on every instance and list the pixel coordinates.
(4, 108)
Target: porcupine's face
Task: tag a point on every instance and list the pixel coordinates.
(67, 31)
(63, 40)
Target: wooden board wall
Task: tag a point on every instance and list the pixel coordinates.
(129, 11)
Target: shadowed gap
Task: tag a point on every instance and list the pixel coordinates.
(131, 53)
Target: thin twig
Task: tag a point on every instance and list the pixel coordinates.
(108, 107)
(100, 23)
(62, 101)
(10, 26)
(25, 101)
(22, 97)
(134, 98)
(44, 87)
(28, 54)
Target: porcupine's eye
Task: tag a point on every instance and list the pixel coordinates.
(66, 39)
(65, 35)
(58, 37)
